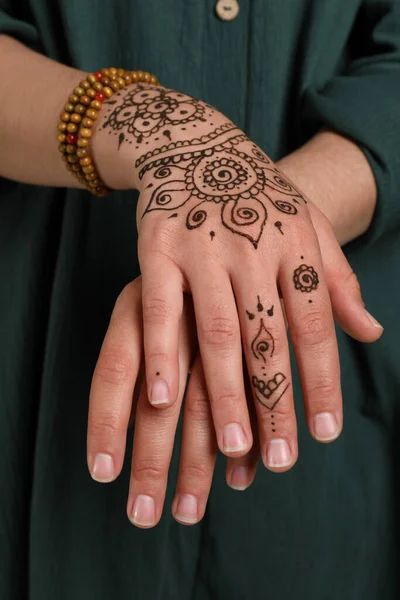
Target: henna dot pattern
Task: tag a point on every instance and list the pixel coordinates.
(305, 278)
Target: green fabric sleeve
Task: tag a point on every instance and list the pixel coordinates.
(17, 22)
(364, 105)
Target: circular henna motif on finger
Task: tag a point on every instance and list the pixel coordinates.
(305, 278)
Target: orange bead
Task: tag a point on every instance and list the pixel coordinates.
(153, 80)
(112, 73)
(121, 82)
(140, 75)
(120, 72)
(146, 77)
(87, 123)
(134, 77)
(128, 78)
(85, 161)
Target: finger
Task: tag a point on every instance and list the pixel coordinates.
(153, 444)
(240, 471)
(267, 356)
(112, 386)
(198, 452)
(313, 334)
(162, 309)
(220, 347)
(345, 293)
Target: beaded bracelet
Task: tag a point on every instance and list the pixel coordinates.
(80, 113)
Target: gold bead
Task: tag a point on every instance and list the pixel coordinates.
(62, 127)
(62, 147)
(87, 122)
(91, 113)
(64, 117)
(85, 100)
(90, 176)
(91, 93)
(120, 72)
(72, 158)
(127, 78)
(106, 72)
(153, 80)
(94, 183)
(65, 158)
(83, 142)
(84, 84)
(85, 161)
(91, 79)
(121, 82)
(69, 107)
(85, 132)
(74, 99)
(79, 91)
(114, 86)
(112, 73)
(135, 76)
(89, 169)
(76, 168)
(70, 149)
(96, 104)
(61, 137)
(98, 86)
(146, 77)
(140, 75)
(80, 109)
(107, 91)
(82, 152)
(105, 80)
(72, 128)
(75, 118)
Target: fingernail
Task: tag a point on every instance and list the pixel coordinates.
(278, 453)
(103, 468)
(143, 511)
(372, 320)
(325, 427)
(159, 393)
(239, 478)
(234, 438)
(186, 509)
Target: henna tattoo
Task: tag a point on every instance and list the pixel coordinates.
(174, 215)
(148, 109)
(278, 225)
(305, 278)
(268, 393)
(250, 315)
(263, 343)
(212, 235)
(270, 311)
(215, 171)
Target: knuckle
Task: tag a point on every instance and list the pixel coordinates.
(149, 472)
(194, 472)
(114, 367)
(156, 309)
(198, 407)
(351, 281)
(105, 426)
(324, 388)
(313, 330)
(219, 331)
(226, 402)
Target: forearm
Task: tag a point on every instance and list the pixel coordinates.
(33, 93)
(335, 174)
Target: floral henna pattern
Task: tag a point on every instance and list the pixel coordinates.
(147, 109)
(305, 278)
(222, 168)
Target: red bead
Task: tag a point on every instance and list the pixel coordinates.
(98, 75)
(100, 96)
(72, 139)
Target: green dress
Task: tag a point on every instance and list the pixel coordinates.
(329, 528)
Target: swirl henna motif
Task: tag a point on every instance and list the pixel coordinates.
(214, 170)
(305, 278)
(263, 343)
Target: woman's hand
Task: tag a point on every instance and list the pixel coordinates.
(219, 220)
(113, 405)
